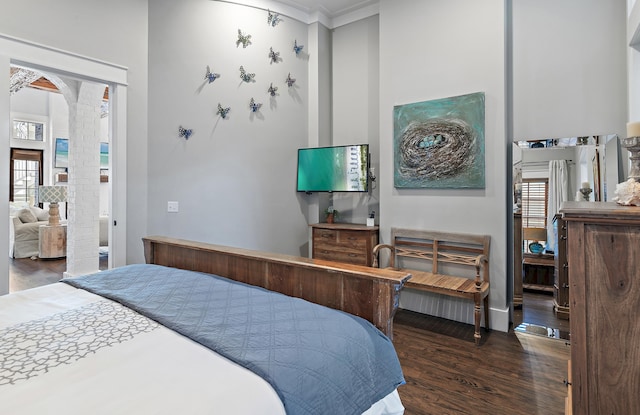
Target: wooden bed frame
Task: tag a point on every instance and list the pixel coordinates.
(370, 293)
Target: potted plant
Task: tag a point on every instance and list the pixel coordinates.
(332, 214)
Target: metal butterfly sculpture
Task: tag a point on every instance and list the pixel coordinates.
(210, 76)
(223, 111)
(290, 81)
(297, 48)
(272, 90)
(255, 106)
(186, 133)
(244, 39)
(274, 56)
(273, 18)
(246, 77)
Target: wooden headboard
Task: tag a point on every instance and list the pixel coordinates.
(370, 293)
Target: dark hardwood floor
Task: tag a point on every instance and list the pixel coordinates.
(509, 373)
(27, 273)
(446, 373)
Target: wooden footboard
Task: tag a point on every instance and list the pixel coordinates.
(370, 293)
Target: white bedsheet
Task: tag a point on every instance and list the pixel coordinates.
(152, 371)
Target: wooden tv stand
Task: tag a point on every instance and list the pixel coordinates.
(344, 242)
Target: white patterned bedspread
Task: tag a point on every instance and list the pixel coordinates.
(64, 350)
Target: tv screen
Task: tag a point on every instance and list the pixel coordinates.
(333, 169)
(62, 153)
(104, 156)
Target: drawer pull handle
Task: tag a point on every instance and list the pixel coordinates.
(566, 383)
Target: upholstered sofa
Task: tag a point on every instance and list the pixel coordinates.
(24, 227)
(24, 230)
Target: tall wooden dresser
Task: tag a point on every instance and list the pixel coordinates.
(603, 253)
(344, 242)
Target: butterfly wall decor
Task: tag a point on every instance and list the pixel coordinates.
(244, 39)
(246, 77)
(223, 111)
(274, 56)
(297, 48)
(210, 76)
(273, 18)
(255, 106)
(272, 90)
(184, 132)
(290, 81)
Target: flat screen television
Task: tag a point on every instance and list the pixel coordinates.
(104, 156)
(62, 154)
(333, 169)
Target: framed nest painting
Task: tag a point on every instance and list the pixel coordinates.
(440, 143)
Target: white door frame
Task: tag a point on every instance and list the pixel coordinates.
(47, 59)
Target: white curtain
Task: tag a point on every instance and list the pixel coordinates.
(558, 193)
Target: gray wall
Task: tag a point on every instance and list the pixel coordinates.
(234, 178)
(569, 63)
(436, 49)
(356, 98)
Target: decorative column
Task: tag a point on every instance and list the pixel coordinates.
(84, 180)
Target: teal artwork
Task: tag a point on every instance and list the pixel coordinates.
(440, 143)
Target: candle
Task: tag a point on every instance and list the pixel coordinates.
(585, 185)
(633, 129)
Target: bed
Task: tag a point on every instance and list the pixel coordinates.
(158, 338)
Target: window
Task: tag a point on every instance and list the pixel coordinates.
(534, 203)
(28, 130)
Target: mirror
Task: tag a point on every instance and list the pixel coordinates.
(593, 162)
(547, 172)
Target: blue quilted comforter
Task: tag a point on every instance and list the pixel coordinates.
(318, 360)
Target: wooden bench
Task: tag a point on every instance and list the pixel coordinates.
(447, 257)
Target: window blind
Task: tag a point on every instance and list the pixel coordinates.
(534, 203)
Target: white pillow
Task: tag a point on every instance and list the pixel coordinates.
(39, 213)
(26, 216)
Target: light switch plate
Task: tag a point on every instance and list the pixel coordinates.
(172, 207)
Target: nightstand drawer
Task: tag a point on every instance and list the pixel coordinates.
(325, 236)
(351, 239)
(352, 244)
(357, 258)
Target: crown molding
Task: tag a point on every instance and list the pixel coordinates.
(308, 16)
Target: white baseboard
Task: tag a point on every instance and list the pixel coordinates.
(452, 308)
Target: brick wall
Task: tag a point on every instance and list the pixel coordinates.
(84, 180)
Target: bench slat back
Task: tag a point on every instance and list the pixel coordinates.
(440, 248)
